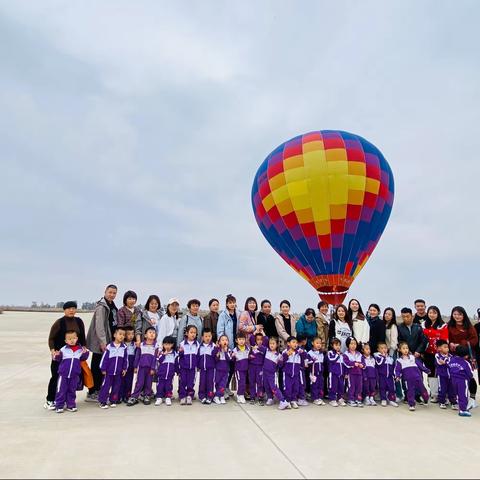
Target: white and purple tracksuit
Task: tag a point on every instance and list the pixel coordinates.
(355, 375)
(369, 376)
(385, 371)
(316, 360)
(445, 386)
(255, 370)
(293, 374)
(336, 372)
(145, 359)
(187, 360)
(460, 373)
(166, 369)
(69, 372)
(222, 370)
(410, 370)
(240, 357)
(206, 364)
(271, 363)
(127, 380)
(114, 362)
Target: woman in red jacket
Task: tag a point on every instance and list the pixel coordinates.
(461, 332)
(434, 329)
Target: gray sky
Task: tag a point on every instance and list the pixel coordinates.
(130, 133)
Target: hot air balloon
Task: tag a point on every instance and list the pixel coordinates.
(322, 201)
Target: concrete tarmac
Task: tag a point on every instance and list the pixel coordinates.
(216, 441)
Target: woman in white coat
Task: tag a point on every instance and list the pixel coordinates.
(168, 324)
(361, 328)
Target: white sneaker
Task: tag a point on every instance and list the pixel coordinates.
(454, 406)
(241, 399)
(373, 403)
(384, 403)
(302, 402)
(203, 401)
(158, 402)
(113, 405)
(442, 406)
(334, 403)
(412, 409)
(228, 392)
(283, 405)
(319, 401)
(269, 402)
(49, 405)
(342, 402)
(471, 404)
(366, 402)
(183, 401)
(294, 405)
(189, 400)
(223, 401)
(351, 403)
(393, 404)
(168, 402)
(103, 405)
(73, 409)
(59, 410)
(359, 403)
(216, 400)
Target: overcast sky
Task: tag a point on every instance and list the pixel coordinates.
(130, 133)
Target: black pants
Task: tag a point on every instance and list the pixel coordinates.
(231, 373)
(96, 372)
(472, 386)
(52, 384)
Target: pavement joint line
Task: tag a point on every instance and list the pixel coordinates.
(272, 441)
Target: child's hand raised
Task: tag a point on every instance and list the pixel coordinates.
(152, 371)
(124, 372)
(84, 350)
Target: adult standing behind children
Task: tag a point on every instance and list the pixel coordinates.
(247, 323)
(56, 340)
(377, 327)
(412, 333)
(129, 313)
(361, 327)
(421, 315)
(462, 333)
(323, 322)
(285, 324)
(168, 324)
(341, 326)
(210, 320)
(266, 319)
(151, 315)
(100, 334)
(307, 326)
(191, 318)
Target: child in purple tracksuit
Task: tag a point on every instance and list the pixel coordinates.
(222, 369)
(304, 385)
(442, 358)
(144, 364)
(369, 376)
(293, 361)
(410, 370)
(336, 374)
(272, 361)
(166, 369)
(385, 372)
(127, 380)
(240, 357)
(354, 362)
(188, 360)
(69, 372)
(207, 354)
(113, 366)
(461, 373)
(255, 368)
(316, 359)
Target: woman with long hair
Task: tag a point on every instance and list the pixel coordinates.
(341, 326)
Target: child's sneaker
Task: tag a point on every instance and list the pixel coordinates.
(168, 402)
(384, 403)
(203, 401)
(146, 401)
(48, 405)
(334, 403)
(294, 405)
(283, 405)
(132, 401)
(158, 402)
(72, 409)
(471, 404)
(59, 410)
(319, 401)
(252, 401)
(342, 402)
(454, 406)
(359, 403)
(113, 405)
(228, 392)
(103, 405)
(302, 402)
(241, 399)
(411, 408)
(460, 414)
(223, 401)
(217, 400)
(189, 400)
(351, 403)
(393, 404)
(92, 397)
(208, 401)
(373, 403)
(261, 403)
(269, 402)
(366, 402)
(442, 406)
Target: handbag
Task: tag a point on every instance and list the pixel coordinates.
(87, 375)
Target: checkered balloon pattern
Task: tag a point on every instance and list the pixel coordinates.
(322, 201)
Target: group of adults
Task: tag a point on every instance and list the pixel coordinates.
(420, 328)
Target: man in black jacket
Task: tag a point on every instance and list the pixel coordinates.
(412, 333)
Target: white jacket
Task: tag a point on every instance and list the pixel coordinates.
(361, 330)
(166, 326)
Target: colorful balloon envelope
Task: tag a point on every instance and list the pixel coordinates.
(322, 201)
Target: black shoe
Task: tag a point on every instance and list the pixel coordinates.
(261, 402)
(252, 401)
(132, 401)
(146, 401)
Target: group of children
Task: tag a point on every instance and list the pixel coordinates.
(356, 375)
